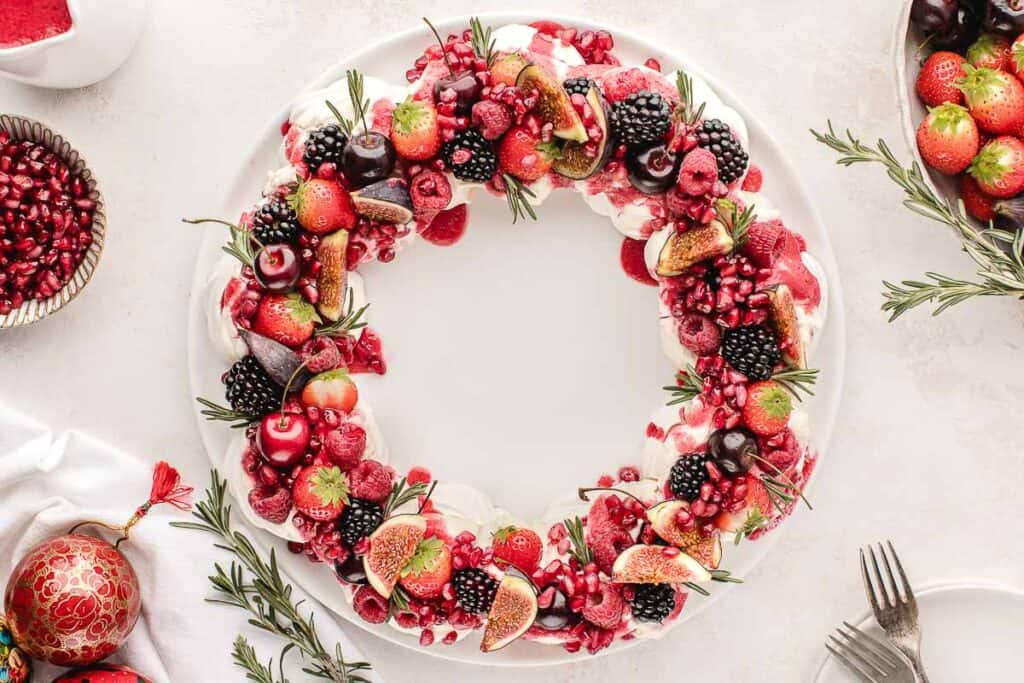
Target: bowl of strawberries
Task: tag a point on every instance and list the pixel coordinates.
(960, 66)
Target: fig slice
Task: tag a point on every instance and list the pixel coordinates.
(657, 564)
(512, 613)
(332, 280)
(506, 68)
(685, 249)
(278, 360)
(553, 105)
(783, 309)
(392, 545)
(386, 201)
(574, 162)
(705, 548)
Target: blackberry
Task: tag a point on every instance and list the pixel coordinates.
(470, 157)
(653, 601)
(275, 222)
(578, 86)
(687, 475)
(641, 119)
(324, 145)
(360, 518)
(474, 590)
(752, 350)
(250, 390)
(732, 159)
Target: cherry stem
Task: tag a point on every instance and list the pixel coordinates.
(287, 389)
(234, 227)
(582, 492)
(444, 51)
(426, 496)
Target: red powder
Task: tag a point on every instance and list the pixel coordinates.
(29, 21)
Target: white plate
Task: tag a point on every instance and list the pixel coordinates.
(522, 350)
(972, 631)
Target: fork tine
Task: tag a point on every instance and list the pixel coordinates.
(868, 589)
(891, 585)
(851, 659)
(865, 654)
(877, 646)
(881, 581)
(903, 576)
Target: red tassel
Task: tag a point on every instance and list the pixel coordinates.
(167, 488)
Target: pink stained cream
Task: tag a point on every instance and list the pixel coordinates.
(23, 22)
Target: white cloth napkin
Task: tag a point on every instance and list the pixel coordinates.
(49, 483)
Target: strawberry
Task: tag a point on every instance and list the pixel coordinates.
(428, 570)
(999, 167)
(285, 318)
(977, 203)
(768, 407)
(765, 242)
(332, 389)
(631, 256)
(995, 99)
(547, 27)
(948, 138)
(518, 547)
(1017, 57)
(524, 155)
(755, 178)
(273, 505)
(414, 130)
(937, 80)
(323, 206)
(991, 51)
(320, 492)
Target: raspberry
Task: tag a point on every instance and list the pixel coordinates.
(419, 475)
(430, 192)
(699, 334)
(765, 242)
(604, 608)
(273, 505)
(606, 538)
(370, 605)
(754, 179)
(320, 354)
(492, 118)
(699, 172)
(370, 480)
(345, 445)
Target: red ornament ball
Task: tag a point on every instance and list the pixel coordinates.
(72, 600)
(102, 673)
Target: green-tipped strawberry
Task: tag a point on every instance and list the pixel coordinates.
(428, 570)
(323, 206)
(333, 389)
(991, 51)
(999, 167)
(320, 492)
(768, 407)
(948, 139)
(414, 130)
(286, 318)
(524, 155)
(995, 98)
(518, 547)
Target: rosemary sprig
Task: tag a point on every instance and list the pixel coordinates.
(688, 386)
(518, 196)
(218, 413)
(266, 596)
(738, 223)
(1000, 270)
(345, 123)
(245, 657)
(797, 381)
(402, 492)
(781, 490)
(755, 521)
(398, 602)
(240, 244)
(719, 575)
(348, 323)
(360, 105)
(580, 550)
(685, 111)
(483, 44)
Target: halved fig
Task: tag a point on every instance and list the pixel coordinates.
(332, 280)
(553, 105)
(657, 564)
(386, 201)
(705, 548)
(574, 162)
(685, 249)
(392, 545)
(783, 309)
(511, 615)
(280, 362)
(506, 68)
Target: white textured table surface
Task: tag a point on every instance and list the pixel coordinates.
(927, 450)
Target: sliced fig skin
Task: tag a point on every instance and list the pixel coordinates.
(657, 564)
(278, 360)
(391, 546)
(686, 249)
(386, 201)
(512, 613)
(332, 280)
(573, 162)
(787, 326)
(553, 104)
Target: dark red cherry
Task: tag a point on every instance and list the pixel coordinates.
(557, 615)
(733, 450)
(351, 570)
(277, 267)
(652, 170)
(367, 158)
(466, 87)
(283, 438)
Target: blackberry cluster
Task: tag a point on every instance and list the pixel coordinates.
(250, 390)
(324, 145)
(470, 157)
(641, 119)
(752, 350)
(474, 590)
(275, 222)
(360, 518)
(653, 601)
(687, 475)
(578, 86)
(732, 158)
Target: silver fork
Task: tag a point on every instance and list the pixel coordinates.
(871, 660)
(896, 613)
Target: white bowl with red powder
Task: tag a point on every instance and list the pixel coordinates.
(52, 222)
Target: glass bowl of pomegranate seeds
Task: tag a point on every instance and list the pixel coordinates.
(52, 222)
